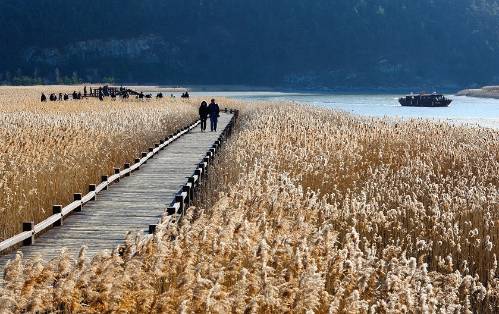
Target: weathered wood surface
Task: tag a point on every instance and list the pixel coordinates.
(129, 205)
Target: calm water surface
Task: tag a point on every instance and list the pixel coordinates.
(477, 111)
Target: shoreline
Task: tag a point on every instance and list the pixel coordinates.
(156, 88)
(491, 92)
(252, 88)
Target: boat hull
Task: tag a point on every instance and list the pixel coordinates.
(440, 103)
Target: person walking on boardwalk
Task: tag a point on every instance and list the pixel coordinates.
(214, 111)
(203, 115)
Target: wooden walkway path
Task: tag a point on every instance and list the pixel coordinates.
(129, 205)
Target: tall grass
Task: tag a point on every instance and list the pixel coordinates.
(48, 151)
(307, 210)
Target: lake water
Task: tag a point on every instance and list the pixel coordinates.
(468, 110)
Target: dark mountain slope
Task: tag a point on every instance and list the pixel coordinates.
(301, 43)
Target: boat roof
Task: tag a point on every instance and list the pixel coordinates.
(424, 95)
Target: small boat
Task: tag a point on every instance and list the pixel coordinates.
(425, 100)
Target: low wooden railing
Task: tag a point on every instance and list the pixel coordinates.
(30, 230)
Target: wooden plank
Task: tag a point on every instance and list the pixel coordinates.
(90, 235)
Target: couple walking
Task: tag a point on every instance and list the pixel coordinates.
(213, 110)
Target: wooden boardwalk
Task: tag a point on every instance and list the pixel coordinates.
(129, 205)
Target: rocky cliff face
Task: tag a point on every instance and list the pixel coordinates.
(147, 49)
(127, 59)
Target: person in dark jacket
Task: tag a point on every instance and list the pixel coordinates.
(214, 111)
(203, 115)
(43, 98)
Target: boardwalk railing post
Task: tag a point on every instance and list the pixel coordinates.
(179, 199)
(198, 172)
(104, 179)
(170, 211)
(207, 162)
(152, 229)
(127, 166)
(77, 197)
(117, 171)
(92, 188)
(137, 160)
(29, 226)
(187, 189)
(57, 209)
(144, 155)
(191, 181)
(203, 167)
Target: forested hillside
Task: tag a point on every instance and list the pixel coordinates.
(297, 43)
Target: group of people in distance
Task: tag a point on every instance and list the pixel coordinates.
(53, 97)
(100, 94)
(213, 111)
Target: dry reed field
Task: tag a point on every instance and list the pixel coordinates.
(306, 211)
(48, 151)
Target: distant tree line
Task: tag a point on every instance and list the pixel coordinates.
(281, 42)
(21, 79)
